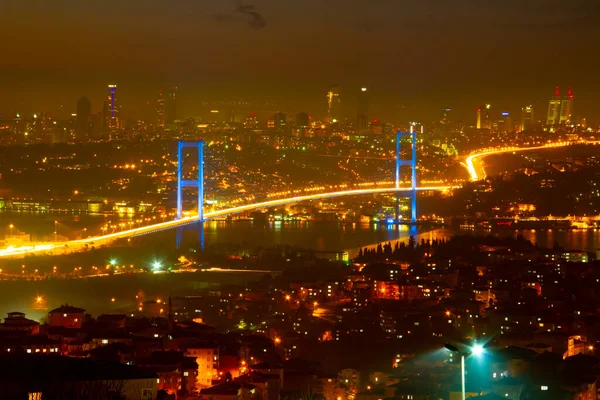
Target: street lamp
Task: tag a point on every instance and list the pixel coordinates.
(11, 226)
(476, 350)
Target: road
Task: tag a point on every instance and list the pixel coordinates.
(475, 167)
(82, 244)
(472, 162)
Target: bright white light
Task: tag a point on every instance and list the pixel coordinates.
(477, 350)
(156, 265)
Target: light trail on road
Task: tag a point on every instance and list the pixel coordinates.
(82, 244)
(475, 176)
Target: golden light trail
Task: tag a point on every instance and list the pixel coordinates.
(469, 161)
(77, 245)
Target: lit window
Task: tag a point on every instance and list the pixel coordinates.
(185, 373)
(65, 315)
(29, 351)
(104, 341)
(544, 388)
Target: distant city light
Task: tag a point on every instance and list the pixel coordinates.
(156, 265)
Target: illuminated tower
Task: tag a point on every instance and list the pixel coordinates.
(505, 124)
(112, 119)
(486, 120)
(554, 109)
(363, 110)
(566, 108)
(171, 106)
(82, 121)
(445, 116)
(160, 109)
(483, 117)
(526, 118)
(334, 106)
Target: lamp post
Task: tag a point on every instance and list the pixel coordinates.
(55, 230)
(476, 350)
(11, 226)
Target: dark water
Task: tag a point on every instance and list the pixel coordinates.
(330, 236)
(95, 294)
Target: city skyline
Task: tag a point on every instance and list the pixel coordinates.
(198, 47)
(349, 102)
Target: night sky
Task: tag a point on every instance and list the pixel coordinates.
(416, 56)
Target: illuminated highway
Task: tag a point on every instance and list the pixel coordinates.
(82, 244)
(476, 172)
(472, 163)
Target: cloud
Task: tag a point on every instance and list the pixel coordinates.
(244, 12)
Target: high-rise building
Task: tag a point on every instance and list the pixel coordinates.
(302, 120)
(560, 109)
(334, 105)
(566, 108)
(302, 127)
(160, 109)
(554, 109)
(112, 110)
(505, 124)
(527, 120)
(83, 120)
(483, 117)
(445, 116)
(171, 106)
(280, 122)
(362, 116)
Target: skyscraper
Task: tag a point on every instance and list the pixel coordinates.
(445, 116)
(566, 108)
(280, 122)
(112, 110)
(527, 118)
(334, 106)
(160, 109)
(363, 110)
(302, 125)
(82, 121)
(483, 117)
(560, 109)
(170, 106)
(554, 109)
(505, 124)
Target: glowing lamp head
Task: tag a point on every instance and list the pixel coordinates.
(156, 265)
(477, 350)
(113, 262)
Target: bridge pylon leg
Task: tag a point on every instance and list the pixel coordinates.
(412, 163)
(198, 183)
